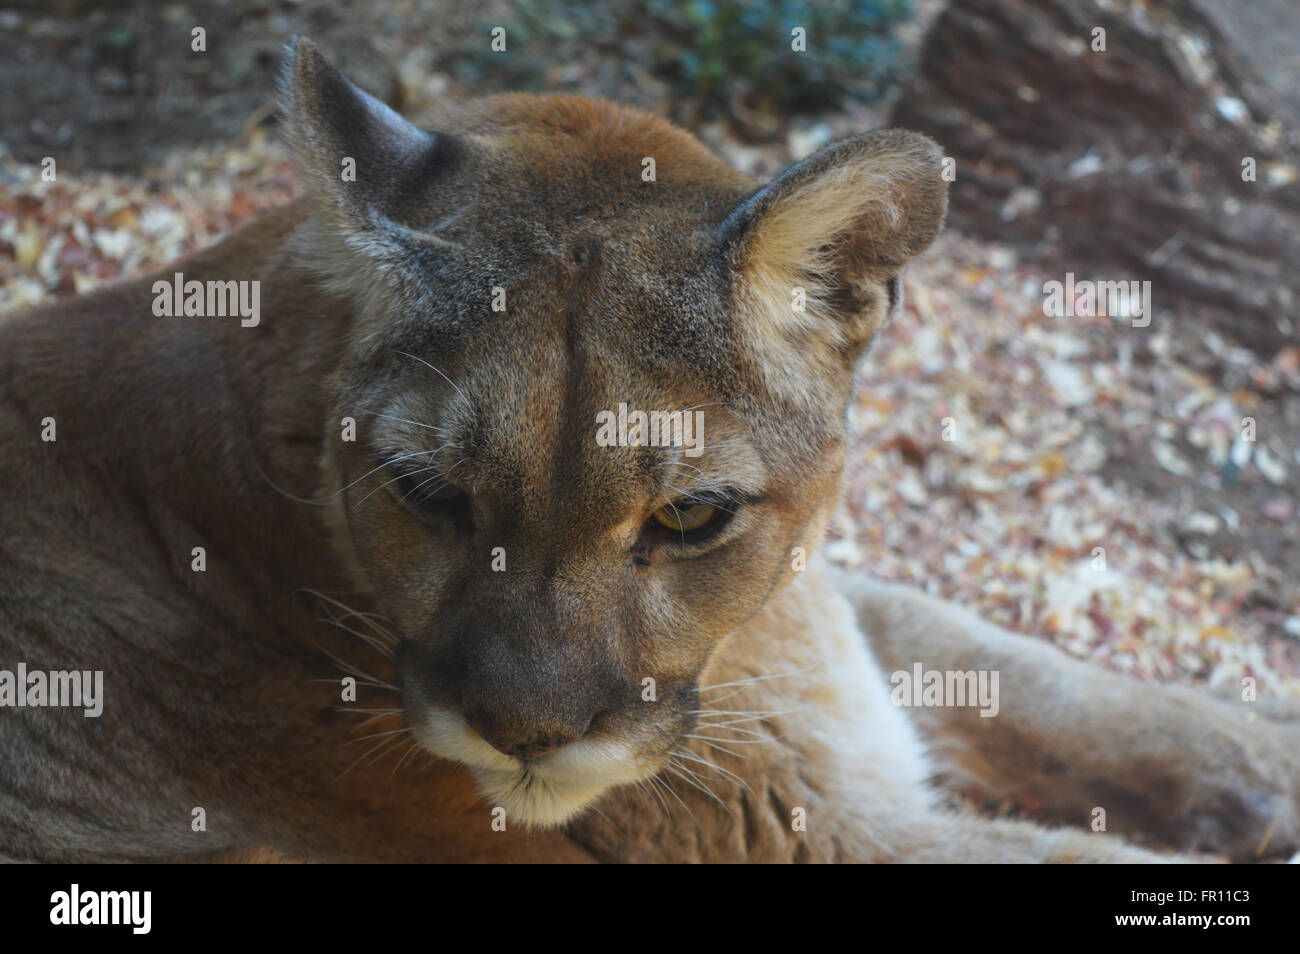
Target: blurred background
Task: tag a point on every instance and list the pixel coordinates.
(1128, 492)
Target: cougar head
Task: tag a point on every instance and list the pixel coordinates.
(601, 381)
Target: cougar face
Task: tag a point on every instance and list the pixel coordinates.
(597, 413)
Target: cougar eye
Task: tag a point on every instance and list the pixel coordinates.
(686, 517)
(429, 493)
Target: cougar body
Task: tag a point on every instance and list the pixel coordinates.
(366, 579)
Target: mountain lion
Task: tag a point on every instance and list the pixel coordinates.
(329, 507)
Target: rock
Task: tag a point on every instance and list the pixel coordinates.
(1126, 162)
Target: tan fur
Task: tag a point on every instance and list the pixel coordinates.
(849, 758)
(526, 688)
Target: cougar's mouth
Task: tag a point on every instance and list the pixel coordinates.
(543, 792)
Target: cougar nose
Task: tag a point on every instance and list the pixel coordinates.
(525, 747)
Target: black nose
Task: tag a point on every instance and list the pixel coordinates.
(521, 745)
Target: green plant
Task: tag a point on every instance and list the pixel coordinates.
(720, 49)
(719, 53)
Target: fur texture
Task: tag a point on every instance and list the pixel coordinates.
(495, 579)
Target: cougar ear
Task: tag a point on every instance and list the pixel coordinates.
(365, 166)
(818, 251)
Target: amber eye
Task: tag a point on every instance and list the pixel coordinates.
(685, 517)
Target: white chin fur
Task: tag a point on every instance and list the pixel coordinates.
(549, 791)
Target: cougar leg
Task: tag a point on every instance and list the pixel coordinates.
(1165, 762)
